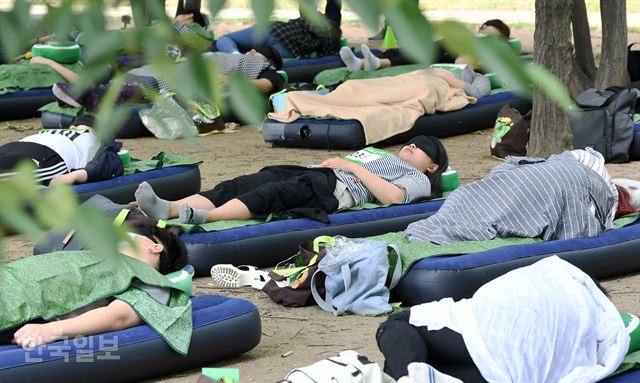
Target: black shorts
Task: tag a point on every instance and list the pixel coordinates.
(48, 163)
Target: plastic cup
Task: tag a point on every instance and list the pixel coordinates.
(125, 157)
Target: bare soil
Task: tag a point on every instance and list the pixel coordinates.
(301, 336)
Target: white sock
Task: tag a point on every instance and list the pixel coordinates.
(353, 63)
(371, 62)
(424, 373)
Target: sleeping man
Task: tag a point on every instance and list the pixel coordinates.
(567, 196)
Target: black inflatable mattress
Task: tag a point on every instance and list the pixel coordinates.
(222, 328)
(613, 253)
(269, 243)
(172, 182)
(24, 104)
(304, 70)
(634, 150)
(132, 127)
(348, 134)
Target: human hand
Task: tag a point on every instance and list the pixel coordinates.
(185, 18)
(35, 334)
(41, 60)
(340, 164)
(76, 176)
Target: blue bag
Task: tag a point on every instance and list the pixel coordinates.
(356, 272)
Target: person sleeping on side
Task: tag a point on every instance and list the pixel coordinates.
(548, 322)
(569, 195)
(158, 248)
(368, 175)
(73, 155)
(259, 65)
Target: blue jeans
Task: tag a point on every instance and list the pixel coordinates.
(242, 41)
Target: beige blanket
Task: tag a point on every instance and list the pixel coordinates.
(384, 106)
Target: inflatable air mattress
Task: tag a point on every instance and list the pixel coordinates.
(24, 104)
(222, 328)
(304, 70)
(348, 134)
(613, 253)
(173, 182)
(634, 150)
(269, 243)
(132, 127)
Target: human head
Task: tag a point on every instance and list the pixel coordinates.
(431, 158)
(161, 248)
(269, 53)
(495, 27)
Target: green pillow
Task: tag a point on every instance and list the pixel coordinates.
(631, 323)
(182, 279)
(63, 53)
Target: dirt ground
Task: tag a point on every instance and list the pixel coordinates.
(297, 337)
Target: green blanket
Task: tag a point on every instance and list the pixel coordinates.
(23, 76)
(50, 285)
(630, 362)
(411, 252)
(160, 160)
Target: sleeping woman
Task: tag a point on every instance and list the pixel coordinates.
(59, 311)
(569, 195)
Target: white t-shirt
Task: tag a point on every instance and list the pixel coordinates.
(77, 147)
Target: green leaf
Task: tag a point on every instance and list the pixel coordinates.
(412, 29)
(551, 86)
(56, 205)
(60, 19)
(15, 31)
(108, 118)
(262, 10)
(368, 10)
(215, 6)
(96, 230)
(246, 101)
(15, 194)
(309, 11)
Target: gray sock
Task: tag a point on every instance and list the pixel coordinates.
(187, 214)
(350, 60)
(371, 62)
(150, 203)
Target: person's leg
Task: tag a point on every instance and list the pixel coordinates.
(158, 208)
(402, 343)
(333, 11)
(350, 60)
(277, 45)
(48, 163)
(395, 57)
(238, 41)
(371, 62)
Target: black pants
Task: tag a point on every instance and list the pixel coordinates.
(48, 163)
(402, 343)
(276, 189)
(397, 58)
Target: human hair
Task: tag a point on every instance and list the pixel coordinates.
(174, 255)
(271, 54)
(500, 25)
(433, 147)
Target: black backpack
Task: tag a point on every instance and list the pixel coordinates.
(606, 122)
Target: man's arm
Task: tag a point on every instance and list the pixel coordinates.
(118, 315)
(68, 74)
(106, 164)
(384, 191)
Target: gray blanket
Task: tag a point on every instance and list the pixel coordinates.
(555, 199)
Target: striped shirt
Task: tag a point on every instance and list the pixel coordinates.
(388, 167)
(303, 38)
(549, 199)
(595, 161)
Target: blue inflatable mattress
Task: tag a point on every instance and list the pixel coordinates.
(222, 328)
(131, 128)
(632, 376)
(172, 182)
(304, 70)
(612, 253)
(24, 104)
(268, 243)
(348, 134)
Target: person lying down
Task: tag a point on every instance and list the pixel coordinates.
(368, 175)
(59, 312)
(567, 196)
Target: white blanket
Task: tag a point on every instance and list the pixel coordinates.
(547, 322)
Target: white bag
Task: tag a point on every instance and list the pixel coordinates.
(348, 367)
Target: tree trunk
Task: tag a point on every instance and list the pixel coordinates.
(550, 130)
(582, 39)
(614, 44)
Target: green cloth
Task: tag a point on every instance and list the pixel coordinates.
(411, 252)
(630, 362)
(50, 285)
(23, 76)
(160, 160)
(53, 107)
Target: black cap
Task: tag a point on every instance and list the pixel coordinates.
(432, 147)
